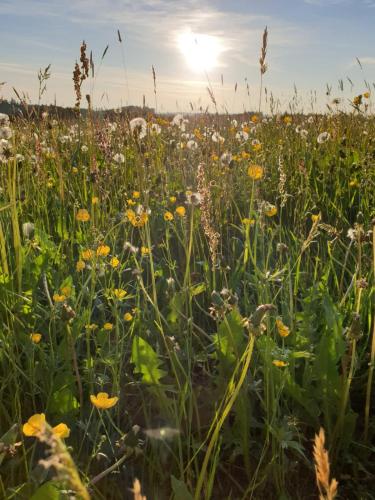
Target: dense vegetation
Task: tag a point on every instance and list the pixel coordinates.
(214, 277)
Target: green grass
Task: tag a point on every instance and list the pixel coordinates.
(203, 410)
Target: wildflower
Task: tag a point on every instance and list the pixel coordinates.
(216, 137)
(62, 431)
(226, 158)
(136, 195)
(191, 145)
(367, 95)
(74, 170)
(103, 250)
(315, 217)
(58, 298)
(248, 222)
(270, 210)
(353, 183)
(168, 216)
(254, 119)
(137, 220)
(91, 327)
(84, 148)
(119, 293)
(103, 401)
(83, 215)
(279, 364)
(128, 317)
(255, 172)
(155, 129)
(172, 199)
(130, 202)
(35, 337)
(256, 145)
(34, 425)
(283, 330)
(114, 262)
(80, 266)
(119, 158)
(66, 290)
(94, 200)
(145, 251)
(87, 254)
(138, 126)
(181, 211)
(287, 120)
(323, 137)
(108, 327)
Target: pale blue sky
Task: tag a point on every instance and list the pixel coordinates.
(311, 43)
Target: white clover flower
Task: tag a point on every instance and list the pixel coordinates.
(119, 158)
(226, 158)
(323, 137)
(155, 129)
(242, 136)
(4, 120)
(216, 137)
(138, 126)
(192, 145)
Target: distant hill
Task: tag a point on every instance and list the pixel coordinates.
(14, 108)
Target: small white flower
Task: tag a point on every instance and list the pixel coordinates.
(192, 145)
(155, 129)
(139, 126)
(216, 137)
(119, 158)
(242, 136)
(84, 148)
(323, 137)
(226, 158)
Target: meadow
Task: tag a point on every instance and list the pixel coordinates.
(184, 302)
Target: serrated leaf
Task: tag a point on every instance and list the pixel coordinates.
(146, 361)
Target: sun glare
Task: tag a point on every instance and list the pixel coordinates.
(201, 51)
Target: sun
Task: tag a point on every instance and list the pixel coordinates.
(201, 51)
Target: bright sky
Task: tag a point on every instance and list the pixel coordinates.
(311, 43)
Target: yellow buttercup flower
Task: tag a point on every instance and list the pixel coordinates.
(94, 200)
(283, 330)
(108, 327)
(168, 216)
(315, 217)
(287, 120)
(248, 222)
(114, 262)
(257, 147)
(34, 425)
(255, 172)
(181, 211)
(103, 250)
(87, 254)
(135, 219)
(172, 199)
(279, 364)
(254, 119)
(145, 251)
(35, 337)
(103, 401)
(80, 266)
(366, 95)
(119, 293)
(83, 215)
(66, 290)
(62, 431)
(136, 195)
(128, 317)
(58, 298)
(131, 202)
(270, 210)
(74, 170)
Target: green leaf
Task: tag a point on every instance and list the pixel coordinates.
(230, 339)
(180, 490)
(63, 401)
(146, 361)
(197, 289)
(48, 491)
